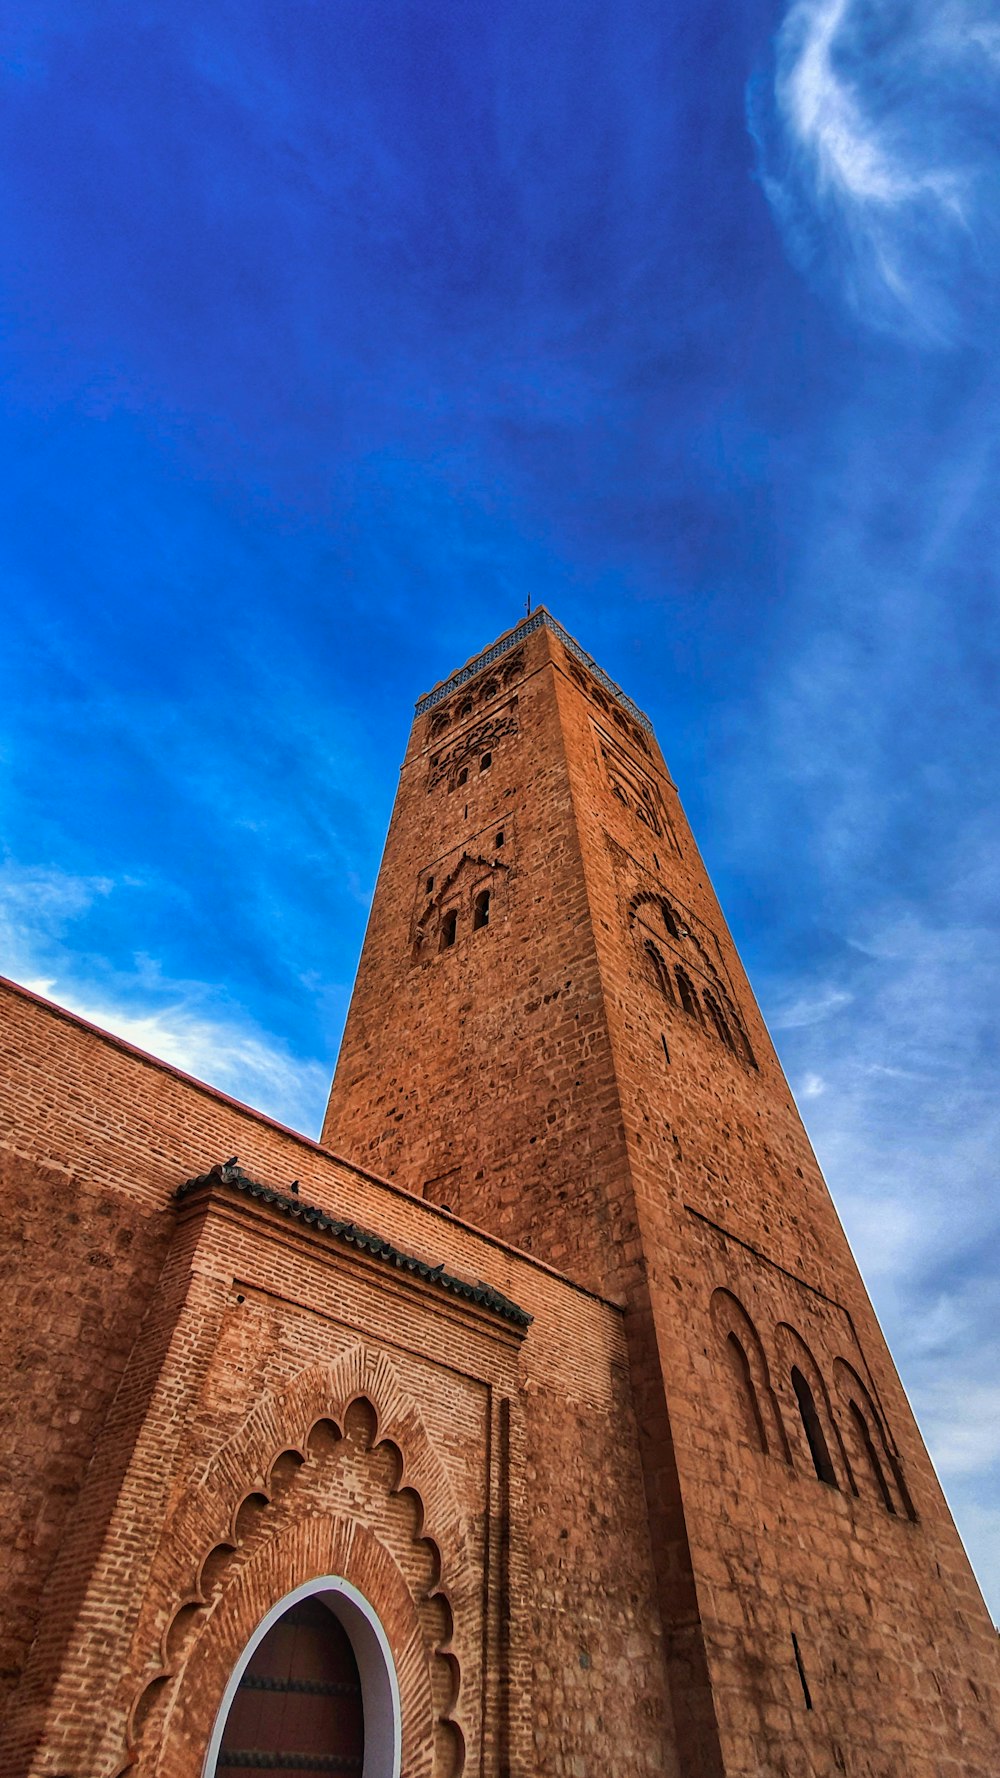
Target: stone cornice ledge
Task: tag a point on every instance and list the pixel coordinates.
(230, 1173)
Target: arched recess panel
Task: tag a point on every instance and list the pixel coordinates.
(865, 1443)
(804, 1389)
(315, 1690)
(812, 1426)
(872, 1450)
(739, 1365)
(747, 1375)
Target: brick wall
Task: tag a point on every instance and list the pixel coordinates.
(589, 1075)
(209, 1402)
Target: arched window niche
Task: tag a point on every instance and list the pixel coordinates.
(812, 1425)
(380, 1728)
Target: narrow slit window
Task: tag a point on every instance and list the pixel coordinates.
(449, 928)
(481, 910)
(813, 1429)
(800, 1664)
(498, 842)
(430, 884)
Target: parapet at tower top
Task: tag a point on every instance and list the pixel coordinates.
(511, 639)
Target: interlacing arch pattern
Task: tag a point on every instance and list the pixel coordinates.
(477, 695)
(282, 1441)
(471, 753)
(743, 1352)
(838, 1435)
(679, 965)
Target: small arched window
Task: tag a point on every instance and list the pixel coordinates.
(716, 1015)
(481, 910)
(486, 762)
(498, 842)
(661, 973)
(689, 999)
(868, 1444)
(449, 928)
(463, 776)
(668, 917)
(813, 1428)
(465, 709)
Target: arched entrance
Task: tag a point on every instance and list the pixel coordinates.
(314, 1691)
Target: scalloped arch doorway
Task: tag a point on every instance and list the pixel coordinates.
(314, 1689)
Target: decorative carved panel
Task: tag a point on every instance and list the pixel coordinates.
(468, 748)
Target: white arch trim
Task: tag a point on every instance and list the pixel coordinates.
(383, 1717)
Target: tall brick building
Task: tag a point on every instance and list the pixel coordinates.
(549, 1430)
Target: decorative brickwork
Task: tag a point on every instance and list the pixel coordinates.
(471, 752)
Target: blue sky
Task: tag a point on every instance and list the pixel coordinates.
(329, 333)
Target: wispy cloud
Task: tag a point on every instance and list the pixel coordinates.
(809, 1009)
(812, 1086)
(181, 1022)
(876, 154)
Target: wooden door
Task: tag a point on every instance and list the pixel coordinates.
(298, 1706)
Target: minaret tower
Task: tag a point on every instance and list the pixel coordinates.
(552, 1036)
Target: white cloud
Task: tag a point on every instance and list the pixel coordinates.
(809, 1009)
(875, 158)
(224, 1053)
(37, 905)
(812, 1086)
(824, 112)
(180, 1022)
